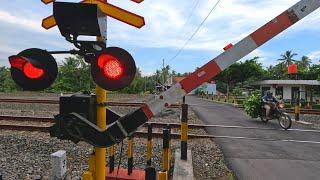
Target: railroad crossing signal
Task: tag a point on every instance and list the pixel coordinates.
(33, 69)
(108, 10)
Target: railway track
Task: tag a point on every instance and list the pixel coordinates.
(18, 119)
(131, 104)
(49, 101)
(46, 129)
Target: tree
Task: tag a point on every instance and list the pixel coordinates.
(287, 58)
(277, 72)
(239, 73)
(304, 63)
(74, 76)
(6, 82)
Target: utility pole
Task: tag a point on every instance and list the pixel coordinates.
(163, 76)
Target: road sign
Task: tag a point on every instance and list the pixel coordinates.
(137, 1)
(119, 14)
(109, 10)
(48, 22)
(47, 1)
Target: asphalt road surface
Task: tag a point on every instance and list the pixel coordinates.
(270, 156)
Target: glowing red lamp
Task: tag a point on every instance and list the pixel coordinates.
(113, 69)
(111, 66)
(33, 69)
(26, 67)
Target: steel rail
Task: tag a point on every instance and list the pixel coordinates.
(158, 124)
(49, 101)
(143, 134)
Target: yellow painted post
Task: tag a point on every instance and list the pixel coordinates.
(100, 153)
(97, 161)
(162, 175)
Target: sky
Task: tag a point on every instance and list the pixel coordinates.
(169, 23)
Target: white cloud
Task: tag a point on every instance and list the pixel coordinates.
(165, 25)
(232, 20)
(314, 56)
(31, 24)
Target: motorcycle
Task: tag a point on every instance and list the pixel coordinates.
(278, 113)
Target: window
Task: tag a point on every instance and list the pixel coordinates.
(279, 92)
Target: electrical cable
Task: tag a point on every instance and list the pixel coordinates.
(189, 16)
(120, 157)
(195, 32)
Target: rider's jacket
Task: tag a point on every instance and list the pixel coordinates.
(267, 98)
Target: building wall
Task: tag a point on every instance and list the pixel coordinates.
(286, 90)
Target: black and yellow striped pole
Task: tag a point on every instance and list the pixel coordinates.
(150, 172)
(297, 108)
(130, 155)
(165, 151)
(184, 130)
(111, 159)
(169, 147)
(149, 145)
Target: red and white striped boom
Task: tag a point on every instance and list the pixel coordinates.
(128, 124)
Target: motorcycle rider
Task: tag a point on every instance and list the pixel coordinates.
(269, 102)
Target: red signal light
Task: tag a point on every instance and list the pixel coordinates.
(33, 69)
(28, 69)
(113, 69)
(32, 72)
(111, 66)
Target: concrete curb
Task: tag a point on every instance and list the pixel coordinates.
(183, 170)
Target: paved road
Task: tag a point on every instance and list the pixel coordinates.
(260, 159)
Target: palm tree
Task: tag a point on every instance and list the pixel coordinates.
(305, 62)
(287, 58)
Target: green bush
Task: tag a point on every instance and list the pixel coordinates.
(252, 104)
(316, 106)
(287, 105)
(240, 101)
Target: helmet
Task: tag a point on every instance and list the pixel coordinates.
(268, 93)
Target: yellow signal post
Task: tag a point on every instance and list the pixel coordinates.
(100, 153)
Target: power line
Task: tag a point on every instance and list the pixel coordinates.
(189, 16)
(195, 32)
